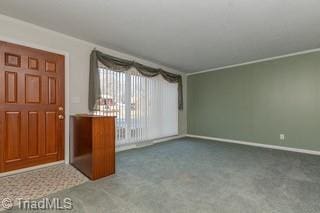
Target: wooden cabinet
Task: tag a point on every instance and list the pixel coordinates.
(92, 145)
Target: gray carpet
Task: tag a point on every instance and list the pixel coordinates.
(194, 175)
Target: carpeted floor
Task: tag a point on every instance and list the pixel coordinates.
(194, 175)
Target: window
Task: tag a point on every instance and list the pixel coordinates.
(146, 108)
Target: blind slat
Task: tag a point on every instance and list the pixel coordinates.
(146, 108)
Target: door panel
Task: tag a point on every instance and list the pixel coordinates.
(33, 63)
(11, 87)
(33, 134)
(12, 60)
(31, 93)
(13, 136)
(50, 66)
(33, 88)
(51, 139)
(52, 90)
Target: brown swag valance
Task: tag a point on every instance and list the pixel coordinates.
(121, 65)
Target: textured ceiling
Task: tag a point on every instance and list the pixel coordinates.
(187, 35)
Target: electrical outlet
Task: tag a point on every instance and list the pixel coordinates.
(282, 137)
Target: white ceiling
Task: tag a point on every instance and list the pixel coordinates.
(183, 34)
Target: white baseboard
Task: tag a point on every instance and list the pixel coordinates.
(306, 151)
(30, 168)
(149, 143)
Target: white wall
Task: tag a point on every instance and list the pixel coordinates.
(77, 67)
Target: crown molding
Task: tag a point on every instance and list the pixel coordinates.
(255, 61)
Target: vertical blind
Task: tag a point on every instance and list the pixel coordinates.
(146, 108)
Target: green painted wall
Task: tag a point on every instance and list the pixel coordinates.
(258, 102)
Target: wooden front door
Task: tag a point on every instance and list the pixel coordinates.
(31, 107)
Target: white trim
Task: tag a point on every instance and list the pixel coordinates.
(148, 143)
(66, 83)
(305, 151)
(167, 139)
(4, 174)
(256, 61)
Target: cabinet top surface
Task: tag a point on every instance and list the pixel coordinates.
(91, 116)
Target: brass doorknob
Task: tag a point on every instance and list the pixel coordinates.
(61, 117)
(60, 108)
